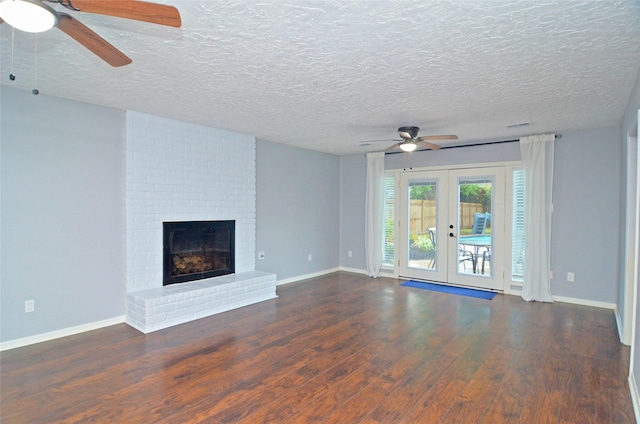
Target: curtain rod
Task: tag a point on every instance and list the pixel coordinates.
(557, 136)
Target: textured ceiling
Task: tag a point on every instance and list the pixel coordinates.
(327, 74)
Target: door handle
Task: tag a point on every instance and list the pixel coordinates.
(451, 235)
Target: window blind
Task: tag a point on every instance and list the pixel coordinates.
(388, 233)
(517, 245)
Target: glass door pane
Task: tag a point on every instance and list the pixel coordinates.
(424, 212)
(422, 224)
(474, 225)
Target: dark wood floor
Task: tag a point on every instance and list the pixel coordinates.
(336, 349)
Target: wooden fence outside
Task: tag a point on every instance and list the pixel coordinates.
(423, 215)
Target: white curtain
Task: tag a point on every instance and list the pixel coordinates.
(374, 213)
(537, 158)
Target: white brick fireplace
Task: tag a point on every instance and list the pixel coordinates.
(176, 171)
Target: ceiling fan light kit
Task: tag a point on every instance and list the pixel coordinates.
(28, 15)
(408, 146)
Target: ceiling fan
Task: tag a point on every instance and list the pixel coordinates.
(409, 140)
(37, 16)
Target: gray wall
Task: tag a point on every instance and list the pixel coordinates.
(62, 226)
(586, 206)
(297, 210)
(586, 200)
(353, 180)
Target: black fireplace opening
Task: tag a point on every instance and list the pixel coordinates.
(194, 250)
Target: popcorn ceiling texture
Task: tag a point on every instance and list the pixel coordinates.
(325, 75)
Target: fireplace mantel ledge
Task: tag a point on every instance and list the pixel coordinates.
(154, 309)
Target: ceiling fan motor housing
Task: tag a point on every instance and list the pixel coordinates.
(411, 131)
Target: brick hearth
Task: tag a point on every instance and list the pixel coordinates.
(154, 309)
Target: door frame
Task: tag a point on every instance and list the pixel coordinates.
(400, 221)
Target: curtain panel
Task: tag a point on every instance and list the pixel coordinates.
(374, 213)
(537, 153)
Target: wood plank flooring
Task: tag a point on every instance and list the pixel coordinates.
(341, 348)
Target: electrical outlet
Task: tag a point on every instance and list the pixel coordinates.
(261, 256)
(309, 257)
(350, 253)
(29, 305)
(571, 277)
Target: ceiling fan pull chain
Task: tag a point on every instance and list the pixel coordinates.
(35, 91)
(12, 76)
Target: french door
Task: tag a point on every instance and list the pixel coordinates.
(451, 226)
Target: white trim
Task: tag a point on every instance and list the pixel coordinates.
(585, 302)
(616, 312)
(634, 318)
(575, 301)
(306, 276)
(632, 213)
(360, 271)
(635, 397)
(38, 338)
(386, 269)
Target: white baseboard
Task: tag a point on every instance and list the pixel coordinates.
(12, 344)
(384, 272)
(585, 302)
(306, 276)
(354, 270)
(573, 300)
(635, 397)
(621, 336)
(616, 313)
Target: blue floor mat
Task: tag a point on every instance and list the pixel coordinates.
(481, 294)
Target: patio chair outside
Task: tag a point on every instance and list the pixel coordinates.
(480, 222)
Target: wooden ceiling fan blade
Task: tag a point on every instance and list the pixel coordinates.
(154, 13)
(431, 146)
(395, 146)
(92, 41)
(438, 137)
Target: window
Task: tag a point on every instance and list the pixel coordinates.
(388, 231)
(518, 230)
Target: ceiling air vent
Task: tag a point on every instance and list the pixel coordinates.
(519, 124)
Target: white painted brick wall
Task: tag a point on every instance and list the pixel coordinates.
(176, 171)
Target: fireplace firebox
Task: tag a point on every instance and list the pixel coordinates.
(194, 250)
